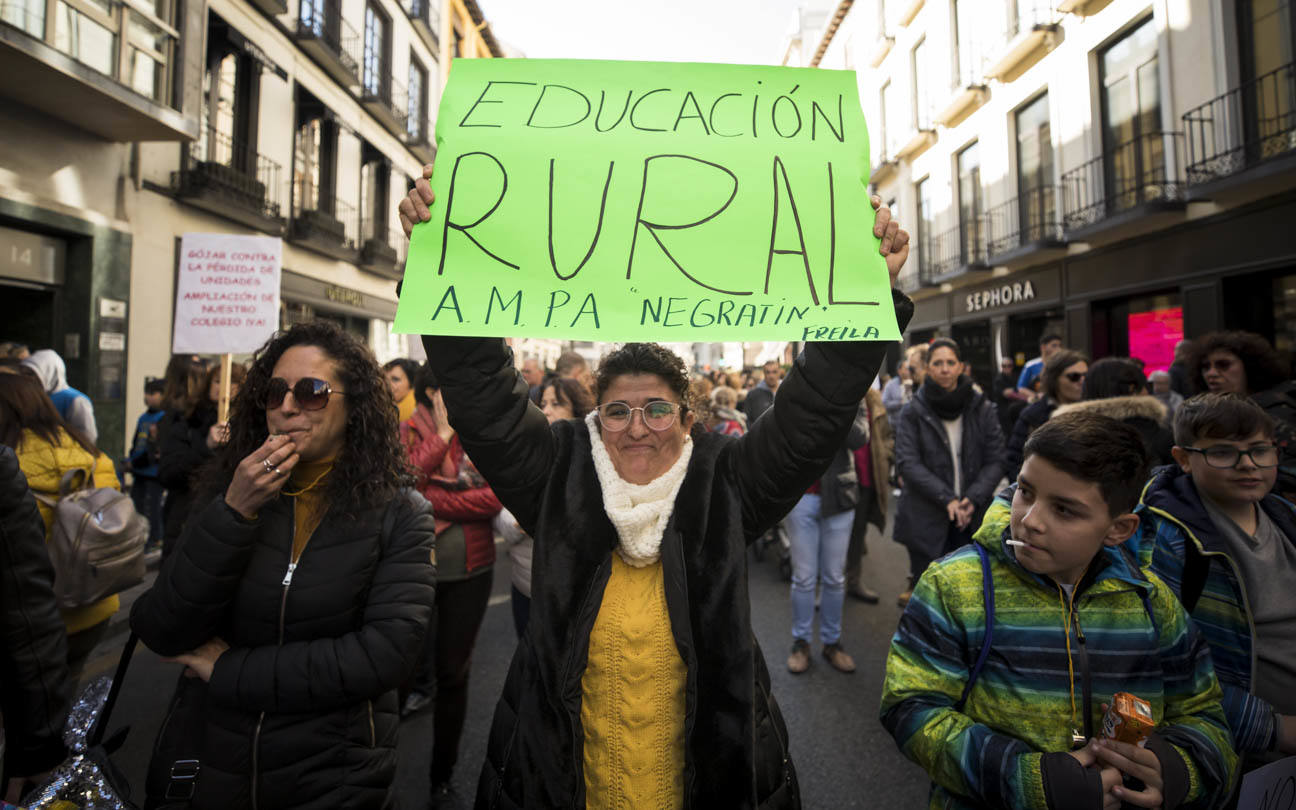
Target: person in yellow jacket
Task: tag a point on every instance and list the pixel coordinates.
(47, 448)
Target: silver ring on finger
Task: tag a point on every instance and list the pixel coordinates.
(278, 471)
(270, 468)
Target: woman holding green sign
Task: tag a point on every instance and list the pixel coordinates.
(638, 681)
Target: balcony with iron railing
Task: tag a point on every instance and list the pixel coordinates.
(106, 67)
(321, 222)
(420, 13)
(226, 177)
(1250, 130)
(1020, 229)
(1133, 179)
(386, 100)
(1031, 30)
(968, 89)
(952, 253)
(886, 166)
(331, 40)
(417, 139)
(921, 135)
(377, 247)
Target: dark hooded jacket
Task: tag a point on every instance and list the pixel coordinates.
(34, 687)
(301, 711)
(926, 466)
(736, 753)
(183, 450)
(1178, 540)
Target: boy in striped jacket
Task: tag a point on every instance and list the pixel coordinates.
(1212, 529)
(1003, 660)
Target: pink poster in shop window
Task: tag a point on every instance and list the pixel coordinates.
(1153, 335)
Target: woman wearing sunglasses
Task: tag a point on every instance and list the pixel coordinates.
(1244, 363)
(1063, 381)
(299, 593)
(638, 682)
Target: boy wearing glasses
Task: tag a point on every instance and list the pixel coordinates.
(1211, 528)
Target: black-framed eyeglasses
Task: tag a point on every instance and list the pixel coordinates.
(1226, 456)
(312, 394)
(1075, 376)
(657, 415)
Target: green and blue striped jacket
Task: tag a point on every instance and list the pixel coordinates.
(1173, 524)
(1127, 633)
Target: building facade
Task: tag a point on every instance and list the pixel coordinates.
(1119, 172)
(127, 124)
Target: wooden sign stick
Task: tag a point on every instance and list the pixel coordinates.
(223, 406)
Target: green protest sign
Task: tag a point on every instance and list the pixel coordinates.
(618, 201)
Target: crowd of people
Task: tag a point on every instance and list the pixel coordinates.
(328, 554)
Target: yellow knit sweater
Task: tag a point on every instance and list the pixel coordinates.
(632, 703)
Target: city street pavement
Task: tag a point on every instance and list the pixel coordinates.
(844, 757)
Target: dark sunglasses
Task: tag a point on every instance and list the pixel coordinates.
(1221, 365)
(311, 394)
(1075, 376)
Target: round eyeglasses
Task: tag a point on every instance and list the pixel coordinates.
(1225, 456)
(657, 415)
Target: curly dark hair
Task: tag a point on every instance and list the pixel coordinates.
(1263, 367)
(572, 393)
(644, 358)
(372, 466)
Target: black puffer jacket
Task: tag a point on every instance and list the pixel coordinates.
(182, 450)
(736, 753)
(302, 708)
(34, 686)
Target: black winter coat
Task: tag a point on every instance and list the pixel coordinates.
(301, 711)
(182, 450)
(926, 466)
(736, 753)
(34, 685)
(1031, 417)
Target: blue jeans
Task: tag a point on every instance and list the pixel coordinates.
(818, 551)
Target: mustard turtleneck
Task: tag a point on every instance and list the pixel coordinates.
(306, 486)
(406, 407)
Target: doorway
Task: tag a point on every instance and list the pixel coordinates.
(27, 313)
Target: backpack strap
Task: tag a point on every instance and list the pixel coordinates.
(1196, 567)
(74, 480)
(987, 594)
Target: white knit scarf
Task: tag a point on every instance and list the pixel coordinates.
(638, 511)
